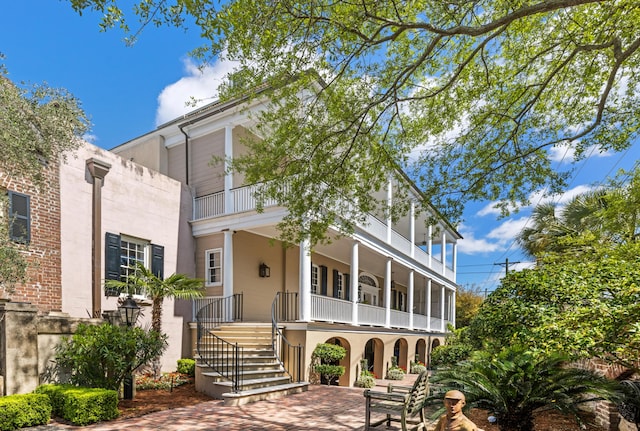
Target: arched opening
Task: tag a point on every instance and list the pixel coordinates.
(346, 377)
(400, 349)
(434, 343)
(373, 353)
(421, 351)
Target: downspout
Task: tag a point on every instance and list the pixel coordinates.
(186, 153)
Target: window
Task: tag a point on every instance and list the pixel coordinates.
(19, 218)
(315, 279)
(213, 264)
(123, 253)
(132, 252)
(339, 285)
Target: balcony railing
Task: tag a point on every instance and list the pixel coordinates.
(329, 309)
(243, 199)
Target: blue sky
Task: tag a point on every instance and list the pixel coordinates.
(127, 91)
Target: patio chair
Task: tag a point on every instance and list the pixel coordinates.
(399, 404)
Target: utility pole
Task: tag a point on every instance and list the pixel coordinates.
(506, 265)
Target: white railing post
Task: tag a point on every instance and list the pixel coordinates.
(411, 289)
(354, 281)
(228, 176)
(387, 294)
(305, 280)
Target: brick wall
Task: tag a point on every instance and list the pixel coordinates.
(43, 286)
(606, 413)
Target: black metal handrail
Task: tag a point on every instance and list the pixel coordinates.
(284, 307)
(223, 357)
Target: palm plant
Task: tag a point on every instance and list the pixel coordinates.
(516, 383)
(177, 286)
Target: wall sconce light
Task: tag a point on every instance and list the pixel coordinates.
(264, 270)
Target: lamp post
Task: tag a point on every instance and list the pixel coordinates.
(129, 312)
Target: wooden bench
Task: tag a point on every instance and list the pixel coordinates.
(399, 404)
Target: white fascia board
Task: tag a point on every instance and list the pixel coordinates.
(239, 221)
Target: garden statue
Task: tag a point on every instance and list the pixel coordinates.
(454, 419)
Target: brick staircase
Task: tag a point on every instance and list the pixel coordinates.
(261, 376)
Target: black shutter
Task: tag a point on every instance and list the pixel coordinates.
(157, 261)
(111, 261)
(393, 299)
(323, 280)
(336, 275)
(347, 287)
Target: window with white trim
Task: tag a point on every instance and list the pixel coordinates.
(315, 278)
(132, 252)
(339, 286)
(213, 267)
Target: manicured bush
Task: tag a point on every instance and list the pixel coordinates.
(325, 357)
(365, 380)
(24, 410)
(187, 366)
(395, 374)
(417, 367)
(81, 406)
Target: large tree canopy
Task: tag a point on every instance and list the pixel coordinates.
(37, 124)
(467, 96)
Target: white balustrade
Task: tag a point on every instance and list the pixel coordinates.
(208, 206)
(370, 315)
(399, 319)
(330, 309)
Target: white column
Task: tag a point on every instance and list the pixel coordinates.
(389, 203)
(442, 309)
(227, 275)
(354, 281)
(430, 245)
(305, 280)
(387, 294)
(454, 262)
(453, 308)
(412, 228)
(428, 304)
(228, 177)
(411, 292)
(443, 252)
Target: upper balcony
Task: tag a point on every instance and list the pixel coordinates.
(242, 199)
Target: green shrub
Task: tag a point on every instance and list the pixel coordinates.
(365, 380)
(325, 356)
(24, 410)
(81, 406)
(417, 367)
(101, 356)
(395, 374)
(187, 366)
(448, 355)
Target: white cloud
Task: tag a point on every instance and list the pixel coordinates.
(538, 198)
(471, 245)
(201, 85)
(565, 154)
(506, 231)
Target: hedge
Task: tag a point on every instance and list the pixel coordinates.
(24, 410)
(82, 406)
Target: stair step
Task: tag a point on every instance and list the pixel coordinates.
(256, 383)
(266, 393)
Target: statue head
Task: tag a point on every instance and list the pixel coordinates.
(454, 401)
